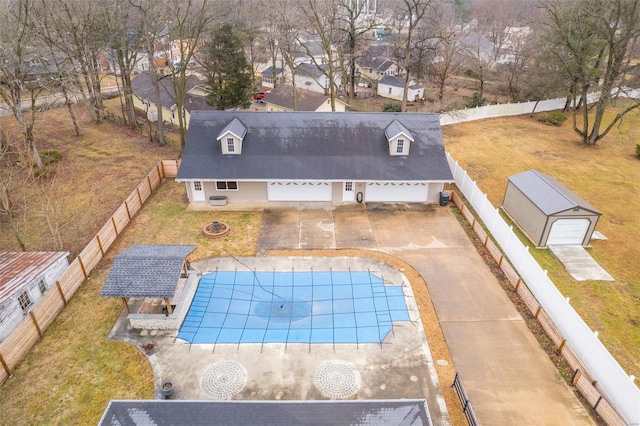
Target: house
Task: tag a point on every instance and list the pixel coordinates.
(24, 278)
(374, 68)
(144, 98)
(548, 212)
(311, 77)
(392, 87)
(271, 77)
(410, 412)
(320, 156)
(282, 99)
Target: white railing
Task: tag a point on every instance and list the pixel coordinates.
(615, 384)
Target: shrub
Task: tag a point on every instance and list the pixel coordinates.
(554, 118)
(476, 101)
(49, 156)
(391, 107)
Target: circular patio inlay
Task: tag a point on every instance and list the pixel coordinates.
(223, 380)
(337, 379)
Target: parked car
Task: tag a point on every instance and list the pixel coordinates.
(260, 95)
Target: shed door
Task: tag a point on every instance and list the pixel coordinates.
(299, 191)
(568, 232)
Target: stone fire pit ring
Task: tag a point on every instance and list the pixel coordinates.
(216, 229)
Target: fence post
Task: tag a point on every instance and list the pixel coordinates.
(35, 322)
(4, 365)
(64, 299)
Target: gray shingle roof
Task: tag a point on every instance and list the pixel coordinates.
(269, 71)
(395, 128)
(146, 271)
(409, 412)
(142, 87)
(314, 146)
(234, 127)
(306, 100)
(392, 80)
(549, 194)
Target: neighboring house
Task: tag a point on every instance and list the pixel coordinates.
(548, 212)
(179, 47)
(392, 87)
(282, 99)
(24, 278)
(304, 156)
(144, 98)
(374, 68)
(314, 78)
(270, 77)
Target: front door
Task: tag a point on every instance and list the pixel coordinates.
(347, 191)
(197, 191)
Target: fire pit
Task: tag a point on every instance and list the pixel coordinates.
(216, 230)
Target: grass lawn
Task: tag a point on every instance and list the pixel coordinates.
(607, 176)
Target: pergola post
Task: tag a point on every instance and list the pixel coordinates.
(167, 301)
(126, 305)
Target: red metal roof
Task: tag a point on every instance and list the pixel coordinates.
(19, 268)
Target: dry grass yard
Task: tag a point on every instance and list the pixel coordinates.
(607, 176)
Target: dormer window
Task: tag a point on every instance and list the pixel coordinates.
(398, 138)
(232, 136)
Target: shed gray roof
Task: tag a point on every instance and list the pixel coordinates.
(314, 146)
(409, 412)
(146, 271)
(395, 128)
(234, 127)
(547, 193)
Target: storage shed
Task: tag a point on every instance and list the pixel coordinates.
(547, 211)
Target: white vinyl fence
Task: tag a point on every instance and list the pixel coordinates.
(610, 379)
(509, 109)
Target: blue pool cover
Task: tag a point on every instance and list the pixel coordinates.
(293, 307)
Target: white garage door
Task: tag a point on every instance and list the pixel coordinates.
(568, 232)
(299, 191)
(397, 191)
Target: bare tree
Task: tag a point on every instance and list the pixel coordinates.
(593, 39)
(20, 69)
(355, 21)
(412, 14)
(190, 22)
(322, 16)
(448, 50)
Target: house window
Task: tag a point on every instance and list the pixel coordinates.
(231, 147)
(348, 186)
(226, 186)
(197, 185)
(400, 146)
(42, 286)
(389, 90)
(24, 301)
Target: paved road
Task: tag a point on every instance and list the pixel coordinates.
(508, 377)
(57, 98)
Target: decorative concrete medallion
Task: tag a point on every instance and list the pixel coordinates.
(337, 379)
(223, 380)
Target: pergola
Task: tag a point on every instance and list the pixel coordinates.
(147, 271)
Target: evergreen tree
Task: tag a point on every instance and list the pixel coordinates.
(228, 69)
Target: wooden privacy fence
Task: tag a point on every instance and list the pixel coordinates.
(587, 386)
(31, 329)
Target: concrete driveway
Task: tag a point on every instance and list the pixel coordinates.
(507, 375)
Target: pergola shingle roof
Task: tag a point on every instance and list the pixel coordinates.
(146, 271)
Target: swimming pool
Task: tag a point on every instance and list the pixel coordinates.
(293, 307)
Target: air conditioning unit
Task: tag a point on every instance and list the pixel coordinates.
(152, 116)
